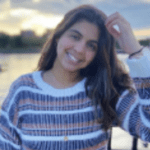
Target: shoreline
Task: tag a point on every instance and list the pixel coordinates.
(20, 50)
(33, 50)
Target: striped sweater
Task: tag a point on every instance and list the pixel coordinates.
(36, 116)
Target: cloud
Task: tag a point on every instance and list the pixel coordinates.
(5, 8)
(30, 19)
(11, 19)
(63, 6)
(4, 5)
(145, 1)
(139, 18)
(7, 23)
(36, 14)
(36, 1)
(19, 1)
(2, 1)
(14, 19)
(22, 12)
(10, 29)
(41, 22)
(51, 6)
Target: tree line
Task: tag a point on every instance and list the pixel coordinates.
(22, 41)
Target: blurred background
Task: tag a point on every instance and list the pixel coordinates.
(26, 24)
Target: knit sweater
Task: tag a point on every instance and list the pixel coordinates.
(37, 116)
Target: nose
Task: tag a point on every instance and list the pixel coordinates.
(80, 47)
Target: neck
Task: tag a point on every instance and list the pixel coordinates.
(65, 77)
(60, 78)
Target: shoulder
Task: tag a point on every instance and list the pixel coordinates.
(25, 80)
(18, 88)
(127, 98)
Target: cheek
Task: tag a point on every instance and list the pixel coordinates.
(64, 44)
(90, 56)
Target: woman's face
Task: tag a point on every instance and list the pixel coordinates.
(77, 47)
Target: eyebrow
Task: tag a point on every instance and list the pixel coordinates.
(76, 31)
(73, 30)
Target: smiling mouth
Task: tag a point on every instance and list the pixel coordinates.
(73, 58)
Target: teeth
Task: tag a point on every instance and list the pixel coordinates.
(73, 58)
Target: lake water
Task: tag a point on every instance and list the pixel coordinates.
(15, 65)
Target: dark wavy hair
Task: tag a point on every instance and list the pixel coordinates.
(105, 75)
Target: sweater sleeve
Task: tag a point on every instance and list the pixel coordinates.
(9, 131)
(133, 108)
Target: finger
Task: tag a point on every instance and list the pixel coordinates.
(114, 17)
(112, 30)
(123, 26)
(114, 23)
(111, 17)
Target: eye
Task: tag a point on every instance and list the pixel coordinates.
(92, 46)
(75, 37)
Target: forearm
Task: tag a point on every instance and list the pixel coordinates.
(139, 65)
(139, 54)
(133, 108)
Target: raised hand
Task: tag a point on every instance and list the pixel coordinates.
(124, 36)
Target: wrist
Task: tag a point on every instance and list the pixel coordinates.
(137, 54)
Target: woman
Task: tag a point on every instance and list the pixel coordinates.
(80, 89)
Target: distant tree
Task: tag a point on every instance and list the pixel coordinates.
(145, 42)
(47, 33)
(117, 45)
(29, 39)
(16, 42)
(4, 40)
(32, 41)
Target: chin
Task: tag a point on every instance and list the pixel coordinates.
(72, 70)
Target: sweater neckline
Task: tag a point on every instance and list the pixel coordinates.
(78, 87)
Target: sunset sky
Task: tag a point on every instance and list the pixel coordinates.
(37, 15)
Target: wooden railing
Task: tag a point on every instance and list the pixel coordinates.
(134, 143)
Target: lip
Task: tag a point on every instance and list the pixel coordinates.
(73, 59)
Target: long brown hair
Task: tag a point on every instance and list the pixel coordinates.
(106, 75)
